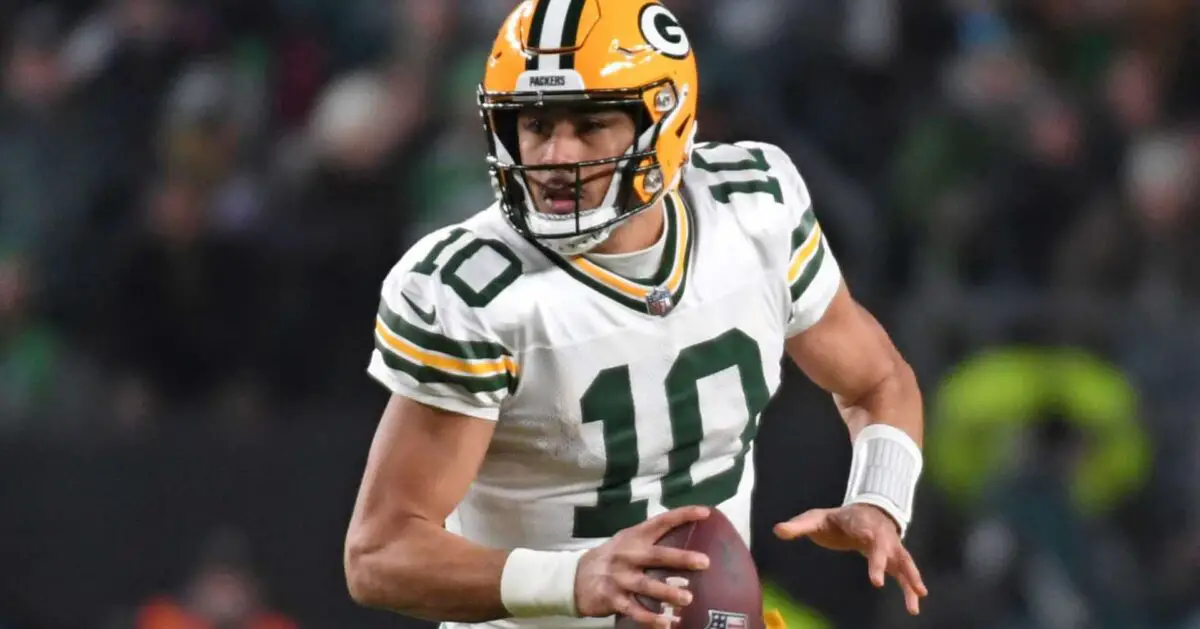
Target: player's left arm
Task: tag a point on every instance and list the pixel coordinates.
(842, 348)
(849, 354)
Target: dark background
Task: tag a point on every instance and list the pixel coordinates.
(200, 199)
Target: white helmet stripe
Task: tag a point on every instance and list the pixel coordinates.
(552, 33)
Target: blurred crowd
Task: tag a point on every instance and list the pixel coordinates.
(200, 198)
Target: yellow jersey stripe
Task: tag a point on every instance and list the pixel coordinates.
(636, 290)
(805, 254)
(449, 364)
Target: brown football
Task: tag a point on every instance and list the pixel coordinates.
(727, 594)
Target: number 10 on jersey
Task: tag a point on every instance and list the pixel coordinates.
(609, 400)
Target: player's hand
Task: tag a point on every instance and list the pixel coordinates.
(869, 531)
(611, 575)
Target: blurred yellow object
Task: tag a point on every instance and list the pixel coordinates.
(784, 612)
(989, 399)
(773, 619)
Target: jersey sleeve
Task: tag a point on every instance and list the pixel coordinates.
(810, 270)
(431, 346)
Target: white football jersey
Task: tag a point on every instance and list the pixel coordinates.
(615, 398)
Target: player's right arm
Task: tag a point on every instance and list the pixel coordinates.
(398, 554)
(449, 372)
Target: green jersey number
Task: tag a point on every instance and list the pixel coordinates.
(756, 161)
(474, 298)
(609, 400)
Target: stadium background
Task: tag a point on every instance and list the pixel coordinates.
(199, 200)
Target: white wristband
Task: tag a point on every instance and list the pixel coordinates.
(537, 583)
(884, 472)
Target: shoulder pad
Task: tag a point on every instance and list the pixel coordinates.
(432, 336)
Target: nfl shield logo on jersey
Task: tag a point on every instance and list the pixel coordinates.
(725, 620)
(658, 302)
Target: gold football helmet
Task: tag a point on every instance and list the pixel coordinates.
(629, 54)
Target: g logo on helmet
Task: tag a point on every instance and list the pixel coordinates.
(662, 31)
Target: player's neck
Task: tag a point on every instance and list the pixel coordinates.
(636, 234)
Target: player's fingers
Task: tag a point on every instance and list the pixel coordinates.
(667, 557)
(648, 586)
(625, 605)
(911, 599)
(905, 580)
(877, 563)
(656, 527)
(806, 523)
(903, 569)
(908, 567)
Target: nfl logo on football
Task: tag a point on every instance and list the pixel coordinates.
(725, 620)
(658, 302)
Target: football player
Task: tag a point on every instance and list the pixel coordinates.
(581, 367)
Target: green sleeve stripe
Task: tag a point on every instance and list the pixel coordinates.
(432, 375)
(434, 342)
(810, 273)
(802, 231)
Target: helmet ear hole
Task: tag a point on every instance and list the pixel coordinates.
(653, 180)
(665, 99)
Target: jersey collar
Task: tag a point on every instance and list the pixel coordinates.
(659, 294)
